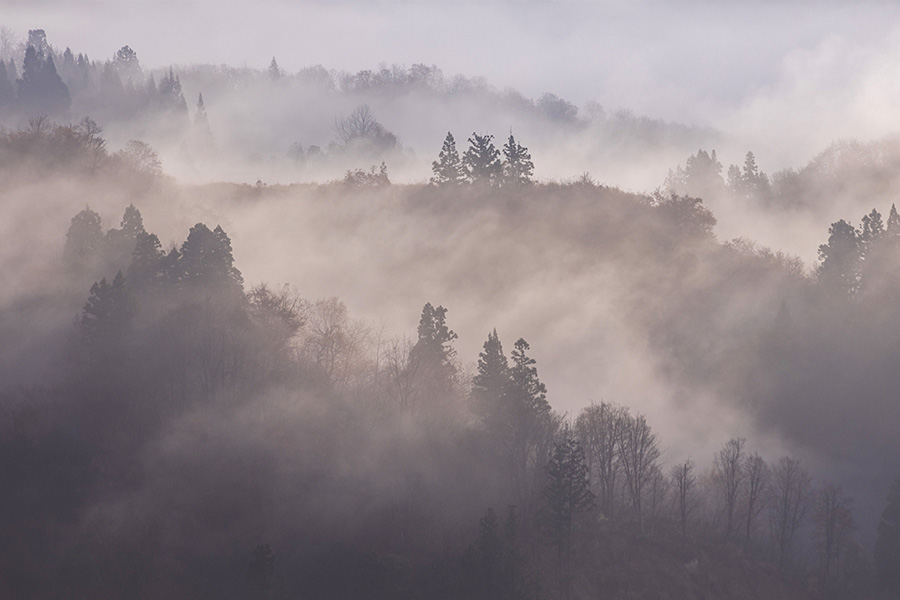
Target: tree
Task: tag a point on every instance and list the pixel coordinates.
(893, 222)
(170, 94)
(147, 263)
(528, 413)
(517, 166)
(481, 161)
(7, 91)
(756, 476)
(790, 501)
(491, 381)
(83, 239)
(728, 477)
(833, 520)
(141, 158)
(599, 428)
(839, 271)
(872, 230)
(448, 168)
(206, 261)
(106, 321)
(361, 132)
(701, 176)
(567, 493)
(274, 71)
(202, 133)
(640, 453)
(431, 359)
(684, 483)
(41, 90)
(887, 544)
(127, 64)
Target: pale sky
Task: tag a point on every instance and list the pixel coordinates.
(686, 61)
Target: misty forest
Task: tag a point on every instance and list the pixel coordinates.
(321, 334)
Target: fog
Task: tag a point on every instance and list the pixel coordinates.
(185, 415)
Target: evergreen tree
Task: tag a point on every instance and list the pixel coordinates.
(566, 494)
(526, 384)
(481, 161)
(873, 227)
(202, 135)
(893, 222)
(206, 260)
(274, 71)
(448, 169)
(839, 272)
(434, 344)
(887, 544)
(170, 94)
(7, 91)
(146, 269)
(127, 65)
(517, 166)
(83, 239)
(41, 90)
(106, 321)
(493, 378)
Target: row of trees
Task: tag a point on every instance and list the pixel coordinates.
(481, 165)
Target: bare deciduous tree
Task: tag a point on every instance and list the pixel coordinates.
(640, 452)
(790, 501)
(728, 477)
(684, 484)
(598, 427)
(756, 476)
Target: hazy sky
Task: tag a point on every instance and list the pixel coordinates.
(689, 61)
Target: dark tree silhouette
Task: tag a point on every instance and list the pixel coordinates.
(7, 90)
(127, 65)
(482, 161)
(207, 262)
(492, 380)
(83, 239)
(41, 89)
(566, 494)
(361, 132)
(448, 168)
(274, 71)
(106, 321)
(839, 271)
(433, 349)
(517, 166)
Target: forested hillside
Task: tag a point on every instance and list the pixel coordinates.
(490, 385)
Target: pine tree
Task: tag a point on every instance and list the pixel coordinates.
(840, 260)
(566, 494)
(83, 239)
(531, 392)
(448, 169)
(206, 260)
(274, 70)
(7, 91)
(41, 89)
(893, 222)
(481, 161)
(493, 378)
(517, 166)
(435, 339)
(106, 321)
(873, 227)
